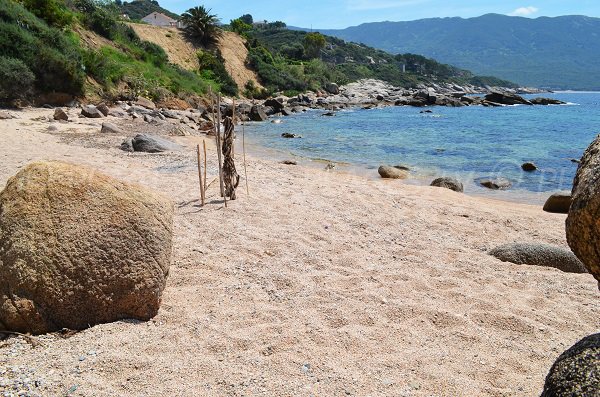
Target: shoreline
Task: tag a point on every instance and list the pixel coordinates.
(316, 283)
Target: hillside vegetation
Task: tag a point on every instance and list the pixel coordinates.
(558, 53)
(45, 48)
(291, 60)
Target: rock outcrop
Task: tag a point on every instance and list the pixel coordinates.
(576, 372)
(539, 255)
(79, 248)
(583, 222)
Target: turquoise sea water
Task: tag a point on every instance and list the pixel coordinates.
(468, 143)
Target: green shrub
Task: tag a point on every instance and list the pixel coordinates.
(16, 80)
(215, 65)
(53, 12)
(53, 56)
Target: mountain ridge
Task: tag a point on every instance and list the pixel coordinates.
(554, 52)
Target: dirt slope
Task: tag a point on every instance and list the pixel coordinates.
(183, 53)
(235, 53)
(180, 51)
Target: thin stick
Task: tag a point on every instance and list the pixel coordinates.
(244, 149)
(200, 175)
(213, 181)
(205, 167)
(219, 149)
(233, 119)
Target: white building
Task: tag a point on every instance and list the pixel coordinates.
(159, 19)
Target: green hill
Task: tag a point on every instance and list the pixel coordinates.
(559, 53)
(283, 61)
(138, 9)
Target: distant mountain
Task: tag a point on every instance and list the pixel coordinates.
(558, 53)
(137, 9)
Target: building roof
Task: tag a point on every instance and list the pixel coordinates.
(155, 14)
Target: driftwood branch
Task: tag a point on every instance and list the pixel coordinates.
(230, 175)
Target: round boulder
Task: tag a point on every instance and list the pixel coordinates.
(558, 203)
(448, 183)
(576, 372)
(389, 172)
(583, 222)
(539, 255)
(79, 248)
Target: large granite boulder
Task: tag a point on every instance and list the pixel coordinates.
(389, 172)
(558, 203)
(79, 248)
(448, 183)
(576, 372)
(539, 255)
(583, 222)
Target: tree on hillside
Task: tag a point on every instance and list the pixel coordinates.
(202, 26)
(313, 44)
(247, 18)
(239, 26)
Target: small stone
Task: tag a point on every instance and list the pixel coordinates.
(145, 102)
(91, 112)
(110, 128)
(60, 114)
(103, 109)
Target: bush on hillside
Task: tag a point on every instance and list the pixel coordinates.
(52, 11)
(51, 55)
(214, 64)
(16, 80)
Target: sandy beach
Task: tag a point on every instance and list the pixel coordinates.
(318, 283)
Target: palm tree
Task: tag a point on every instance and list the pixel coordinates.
(201, 25)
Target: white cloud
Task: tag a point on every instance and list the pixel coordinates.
(524, 11)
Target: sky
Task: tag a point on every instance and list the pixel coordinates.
(329, 14)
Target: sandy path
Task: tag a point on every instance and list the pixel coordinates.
(318, 283)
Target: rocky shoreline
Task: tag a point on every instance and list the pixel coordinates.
(375, 93)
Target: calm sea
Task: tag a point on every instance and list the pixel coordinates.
(468, 143)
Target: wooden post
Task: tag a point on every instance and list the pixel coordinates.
(244, 149)
(205, 167)
(219, 149)
(202, 192)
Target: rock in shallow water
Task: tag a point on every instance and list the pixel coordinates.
(529, 167)
(576, 372)
(539, 255)
(79, 248)
(389, 172)
(495, 183)
(448, 183)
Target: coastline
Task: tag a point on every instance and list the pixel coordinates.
(316, 283)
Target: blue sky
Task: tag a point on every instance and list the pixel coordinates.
(343, 13)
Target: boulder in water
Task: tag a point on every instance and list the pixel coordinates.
(448, 183)
(389, 172)
(529, 167)
(495, 183)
